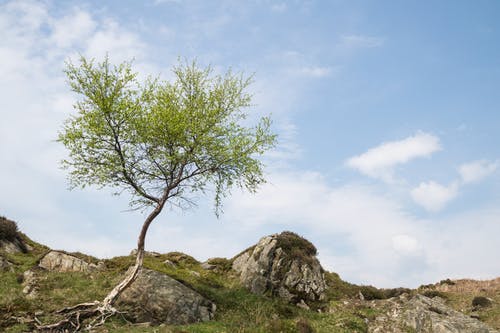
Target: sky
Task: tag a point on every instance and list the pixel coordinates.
(388, 116)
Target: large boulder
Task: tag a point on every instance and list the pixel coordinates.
(63, 262)
(422, 314)
(157, 298)
(284, 265)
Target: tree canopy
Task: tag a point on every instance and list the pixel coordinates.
(162, 141)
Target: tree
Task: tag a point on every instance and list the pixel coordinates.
(162, 142)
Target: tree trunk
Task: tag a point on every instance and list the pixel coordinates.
(132, 273)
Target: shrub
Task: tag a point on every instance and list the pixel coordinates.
(434, 293)
(181, 258)
(371, 293)
(222, 264)
(395, 292)
(447, 281)
(481, 302)
(291, 242)
(8, 229)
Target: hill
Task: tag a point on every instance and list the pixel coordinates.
(37, 281)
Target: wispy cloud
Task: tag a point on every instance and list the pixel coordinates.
(360, 41)
(379, 162)
(476, 171)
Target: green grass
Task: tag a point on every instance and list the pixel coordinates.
(237, 309)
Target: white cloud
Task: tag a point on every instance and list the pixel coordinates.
(405, 245)
(360, 41)
(379, 162)
(116, 41)
(476, 171)
(365, 235)
(433, 196)
(72, 28)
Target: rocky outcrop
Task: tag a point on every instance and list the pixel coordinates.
(157, 298)
(285, 265)
(421, 314)
(11, 240)
(15, 245)
(62, 262)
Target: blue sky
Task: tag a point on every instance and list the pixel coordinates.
(387, 114)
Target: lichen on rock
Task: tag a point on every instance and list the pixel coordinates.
(284, 265)
(157, 298)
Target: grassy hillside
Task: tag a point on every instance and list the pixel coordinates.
(237, 309)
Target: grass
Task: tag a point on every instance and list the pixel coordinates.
(237, 309)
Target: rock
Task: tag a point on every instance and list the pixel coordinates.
(421, 314)
(30, 282)
(285, 265)
(5, 265)
(169, 263)
(303, 305)
(13, 246)
(194, 273)
(157, 298)
(62, 262)
(208, 267)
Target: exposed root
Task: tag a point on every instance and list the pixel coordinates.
(75, 317)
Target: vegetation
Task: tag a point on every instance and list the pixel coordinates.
(161, 142)
(481, 302)
(237, 309)
(8, 229)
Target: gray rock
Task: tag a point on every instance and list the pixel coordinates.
(266, 267)
(169, 263)
(208, 267)
(157, 298)
(30, 282)
(13, 246)
(421, 314)
(62, 262)
(5, 265)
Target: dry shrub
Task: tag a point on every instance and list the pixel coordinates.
(8, 229)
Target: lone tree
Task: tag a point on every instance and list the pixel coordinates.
(162, 142)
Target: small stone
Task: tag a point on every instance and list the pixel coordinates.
(169, 263)
(207, 266)
(194, 273)
(303, 305)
